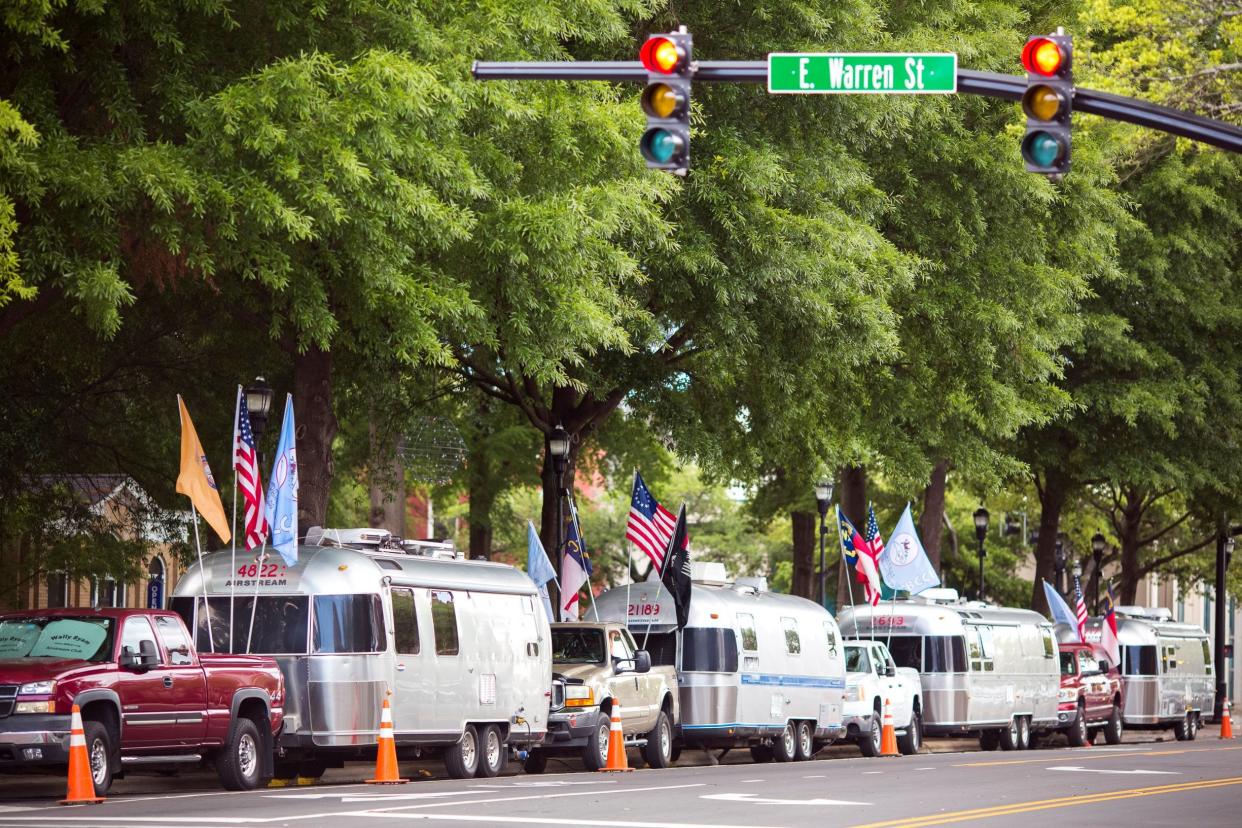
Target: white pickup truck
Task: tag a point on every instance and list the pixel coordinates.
(871, 678)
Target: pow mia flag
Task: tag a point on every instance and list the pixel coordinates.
(676, 573)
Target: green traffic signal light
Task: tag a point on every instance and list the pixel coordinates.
(1042, 149)
(661, 146)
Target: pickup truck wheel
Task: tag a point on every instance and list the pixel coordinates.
(492, 755)
(869, 742)
(462, 759)
(1112, 730)
(1077, 732)
(1009, 735)
(239, 763)
(659, 749)
(99, 751)
(806, 741)
(595, 754)
(536, 762)
(785, 748)
(761, 753)
(912, 742)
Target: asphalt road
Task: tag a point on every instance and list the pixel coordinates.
(1137, 783)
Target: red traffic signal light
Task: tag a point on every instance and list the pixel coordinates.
(1043, 56)
(663, 55)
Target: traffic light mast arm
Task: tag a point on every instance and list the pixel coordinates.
(969, 82)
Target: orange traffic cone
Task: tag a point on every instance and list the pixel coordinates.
(81, 786)
(1226, 725)
(888, 735)
(386, 772)
(616, 744)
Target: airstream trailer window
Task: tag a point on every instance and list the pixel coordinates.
(1138, 660)
(942, 654)
(975, 648)
(385, 563)
(907, 651)
(750, 639)
(708, 650)
(793, 644)
(662, 647)
(405, 621)
(830, 632)
(1050, 647)
(1207, 656)
(444, 622)
(347, 624)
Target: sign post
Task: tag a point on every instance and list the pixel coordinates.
(862, 73)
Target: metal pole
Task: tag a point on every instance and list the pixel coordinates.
(981, 555)
(560, 541)
(1220, 630)
(823, 570)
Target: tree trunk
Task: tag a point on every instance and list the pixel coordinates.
(854, 504)
(1051, 501)
(931, 522)
(316, 429)
(804, 583)
(1130, 519)
(386, 484)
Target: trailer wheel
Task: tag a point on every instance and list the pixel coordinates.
(806, 741)
(988, 739)
(536, 762)
(761, 753)
(912, 742)
(1185, 729)
(462, 759)
(785, 748)
(1009, 736)
(1112, 730)
(492, 755)
(1194, 727)
(1024, 733)
(1077, 732)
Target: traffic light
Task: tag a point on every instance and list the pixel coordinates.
(666, 101)
(1048, 103)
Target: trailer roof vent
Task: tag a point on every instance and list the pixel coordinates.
(751, 583)
(710, 573)
(1149, 613)
(939, 595)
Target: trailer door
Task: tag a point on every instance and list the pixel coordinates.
(415, 684)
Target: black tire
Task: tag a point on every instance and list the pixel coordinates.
(311, 770)
(785, 748)
(869, 742)
(1076, 733)
(1181, 730)
(100, 752)
(1010, 738)
(595, 754)
(988, 740)
(462, 759)
(1024, 733)
(676, 754)
(805, 738)
(912, 740)
(536, 762)
(761, 753)
(239, 764)
(1113, 730)
(493, 755)
(1036, 739)
(659, 749)
(1194, 727)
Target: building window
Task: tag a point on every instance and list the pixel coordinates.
(57, 590)
(106, 592)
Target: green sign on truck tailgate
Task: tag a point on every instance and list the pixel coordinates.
(865, 73)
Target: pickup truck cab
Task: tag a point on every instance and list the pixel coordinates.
(1089, 700)
(871, 678)
(595, 667)
(146, 696)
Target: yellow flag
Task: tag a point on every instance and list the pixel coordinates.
(195, 480)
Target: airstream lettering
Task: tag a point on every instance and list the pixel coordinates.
(985, 669)
(462, 646)
(754, 668)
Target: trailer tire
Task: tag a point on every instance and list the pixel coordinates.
(869, 742)
(1185, 730)
(1076, 734)
(912, 741)
(462, 759)
(988, 739)
(239, 764)
(1024, 733)
(806, 741)
(761, 753)
(785, 748)
(1009, 736)
(492, 754)
(595, 754)
(659, 749)
(536, 762)
(1113, 730)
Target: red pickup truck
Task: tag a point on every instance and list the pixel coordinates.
(1090, 696)
(146, 697)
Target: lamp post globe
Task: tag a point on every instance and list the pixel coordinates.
(259, 397)
(823, 496)
(981, 532)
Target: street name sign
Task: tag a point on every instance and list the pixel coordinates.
(862, 73)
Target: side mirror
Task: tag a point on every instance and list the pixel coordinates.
(890, 671)
(148, 655)
(642, 662)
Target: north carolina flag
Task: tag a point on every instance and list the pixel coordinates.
(195, 480)
(1108, 629)
(855, 551)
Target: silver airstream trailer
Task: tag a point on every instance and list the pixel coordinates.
(755, 668)
(462, 646)
(986, 669)
(1167, 680)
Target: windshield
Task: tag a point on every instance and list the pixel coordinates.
(1067, 664)
(43, 636)
(857, 660)
(577, 646)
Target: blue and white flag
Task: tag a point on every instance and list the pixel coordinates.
(904, 564)
(1061, 613)
(539, 568)
(281, 505)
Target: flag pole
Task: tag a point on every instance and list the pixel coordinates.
(233, 547)
(848, 584)
(198, 544)
(254, 604)
(586, 556)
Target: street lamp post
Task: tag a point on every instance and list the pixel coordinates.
(1097, 556)
(823, 495)
(981, 532)
(1224, 556)
(558, 450)
(1058, 562)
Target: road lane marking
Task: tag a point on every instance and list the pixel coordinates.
(816, 776)
(566, 794)
(751, 780)
(1146, 752)
(924, 768)
(1045, 804)
(543, 820)
(755, 799)
(1109, 770)
(374, 795)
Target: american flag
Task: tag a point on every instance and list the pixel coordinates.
(872, 536)
(650, 525)
(246, 462)
(1080, 610)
